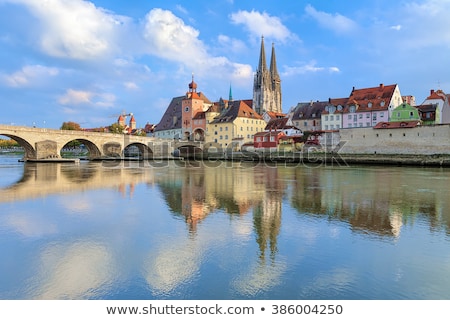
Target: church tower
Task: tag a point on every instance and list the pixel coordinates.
(267, 84)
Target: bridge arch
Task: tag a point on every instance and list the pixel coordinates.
(144, 151)
(92, 148)
(30, 152)
(188, 151)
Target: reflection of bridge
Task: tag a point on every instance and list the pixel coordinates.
(42, 144)
(41, 179)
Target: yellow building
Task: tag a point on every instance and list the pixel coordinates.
(234, 125)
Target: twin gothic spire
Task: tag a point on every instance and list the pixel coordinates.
(267, 84)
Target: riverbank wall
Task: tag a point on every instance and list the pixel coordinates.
(419, 146)
(421, 140)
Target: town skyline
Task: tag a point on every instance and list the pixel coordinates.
(88, 61)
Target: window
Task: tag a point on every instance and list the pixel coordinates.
(361, 116)
(331, 118)
(381, 114)
(349, 117)
(186, 109)
(338, 117)
(338, 126)
(374, 117)
(369, 104)
(226, 137)
(326, 118)
(272, 138)
(220, 128)
(368, 115)
(367, 124)
(326, 127)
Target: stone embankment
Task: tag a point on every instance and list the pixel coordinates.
(322, 158)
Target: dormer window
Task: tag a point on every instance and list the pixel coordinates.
(352, 108)
(339, 107)
(369, 105)
(382, 103)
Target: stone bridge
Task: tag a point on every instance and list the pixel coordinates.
(45, 144)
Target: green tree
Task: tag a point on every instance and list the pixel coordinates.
(70, 125)
(116, 128)
(7, 143)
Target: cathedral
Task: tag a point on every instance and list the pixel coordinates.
(267, 84)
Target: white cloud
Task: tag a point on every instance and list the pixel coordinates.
(29, 75)
(334, 69)
(397, 27)
(80, 97)
(76, 97)
(169, 38)
(181, 9)
(308, 68)
(131, 85)
(74, 29)
(230, 44)
(335, 22)
(434, 26)
(262, 24)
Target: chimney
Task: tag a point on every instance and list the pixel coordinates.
(431, 92)
(381, 86)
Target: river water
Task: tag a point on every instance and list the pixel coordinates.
(222, 230)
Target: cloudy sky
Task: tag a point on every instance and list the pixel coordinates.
(88, 61)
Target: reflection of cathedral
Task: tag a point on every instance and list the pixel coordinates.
(343, 195)
(267, 214)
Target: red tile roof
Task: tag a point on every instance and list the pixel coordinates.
(397, 125)
(436, 95)
(275, 115)
(236, 108)
(375, 98)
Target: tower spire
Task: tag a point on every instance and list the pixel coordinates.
(230, 95)
(273, 65)
(262, 57)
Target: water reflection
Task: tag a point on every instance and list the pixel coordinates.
(370, 200)
(265, 229)
(80, 270)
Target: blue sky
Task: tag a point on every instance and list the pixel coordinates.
(88, 61)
